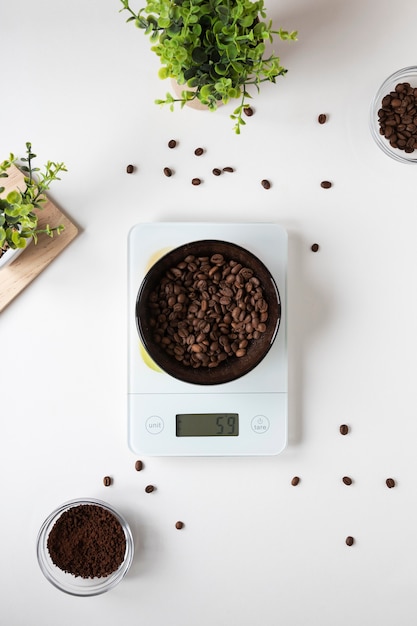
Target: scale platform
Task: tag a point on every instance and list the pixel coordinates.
(169, 417)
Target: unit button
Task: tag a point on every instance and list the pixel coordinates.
(260, 424)
(154, 424)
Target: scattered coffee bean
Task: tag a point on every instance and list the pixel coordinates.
(149, 488)
(107, 481)
(315, 247)
(322, 118)
(207, 309)
(347, 480)
(248, 111)
(129, 169)
(344, 429)
(216, 171)
(198, 151)
(326, 184)
(196, 181)
(167, 171)
(295, 481)
(398, 117)
(172, 143)
(228, 169)
(350, 541)
(179, 525)
(390, 482)
(138, 466)
(265, 184)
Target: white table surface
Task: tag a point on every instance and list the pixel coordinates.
(79, 83)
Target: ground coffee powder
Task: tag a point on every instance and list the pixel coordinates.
(87, 541)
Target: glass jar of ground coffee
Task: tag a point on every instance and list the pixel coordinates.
(85, 547)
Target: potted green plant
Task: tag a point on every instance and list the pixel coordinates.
(18, 208)
(213, 49)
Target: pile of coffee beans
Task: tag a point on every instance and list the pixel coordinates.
(207, 309)
(398, 117)
(87, 541)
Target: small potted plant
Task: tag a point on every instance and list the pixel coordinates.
(213, 49)
(18, 208)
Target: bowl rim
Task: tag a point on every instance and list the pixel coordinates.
(187, 372)
(382, 143)
(92, 586)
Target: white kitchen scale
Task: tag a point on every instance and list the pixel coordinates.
(168, 417)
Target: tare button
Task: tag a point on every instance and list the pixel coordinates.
(154, 425)
(260, 424)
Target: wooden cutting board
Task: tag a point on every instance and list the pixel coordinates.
(15, 277)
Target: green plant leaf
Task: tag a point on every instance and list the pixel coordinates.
(13, 197)
(164, 22)
(246, 21)
(163, 73)
(223, 13)
(17, 240)
(199, 55)
(174, 29)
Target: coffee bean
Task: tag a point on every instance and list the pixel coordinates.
(217, 259)
(326, 184)
(196, 181)
(167, 171)
(172, 143)
(179, 525)
(322, 118)
(107, 481)
(149, 488)
(344, 429)
(130, 169)
(248, 111)
(138, 466)
(347, 480)
(228, 169)
(265, 184)
(350, 541)
(295, 481)
(390, 482)
(198, 151)
(216, 171)
(315, 247)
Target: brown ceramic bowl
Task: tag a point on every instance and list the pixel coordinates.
(232, 367)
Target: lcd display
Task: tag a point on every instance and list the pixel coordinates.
(207, 425)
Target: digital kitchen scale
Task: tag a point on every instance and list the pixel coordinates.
(169, 417)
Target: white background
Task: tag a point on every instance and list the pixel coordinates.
(79, 82)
